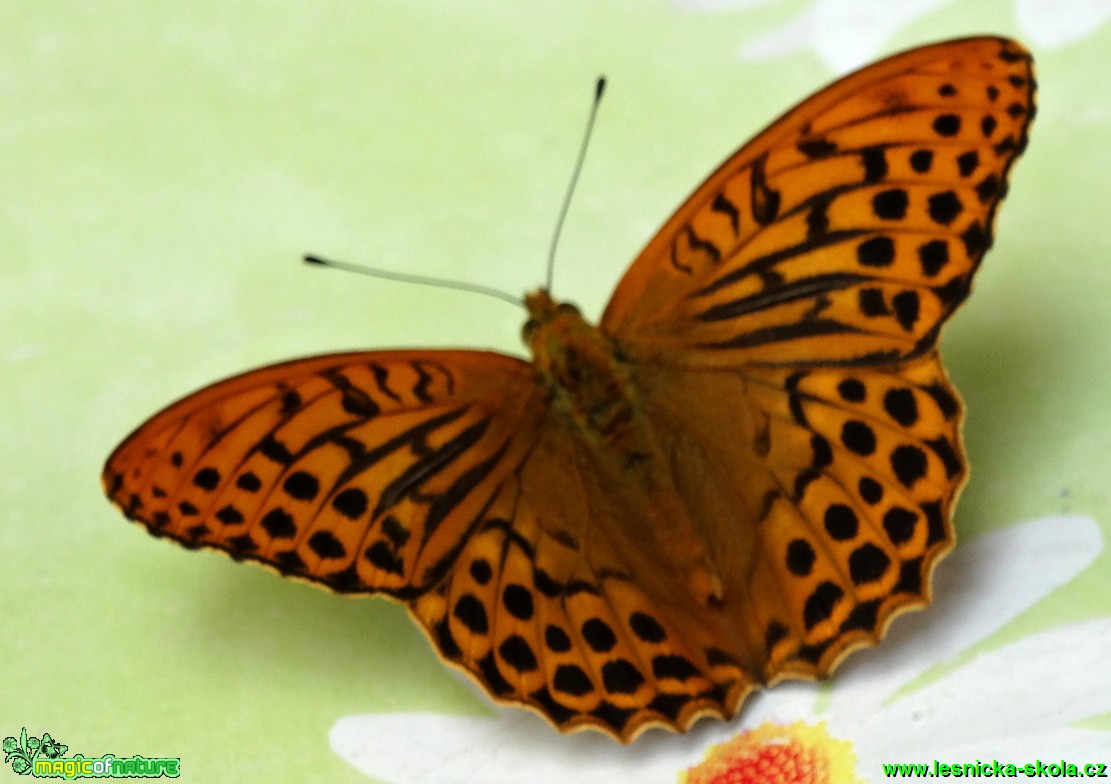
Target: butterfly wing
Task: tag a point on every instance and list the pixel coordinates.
(363, 471)
(781, 332)
(849, 229)
(440, 479)
(555, 604)
(825, 495)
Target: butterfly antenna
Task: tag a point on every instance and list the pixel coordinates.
(459, 285)
(599, 88)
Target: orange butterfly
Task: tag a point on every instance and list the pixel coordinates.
(742, 474)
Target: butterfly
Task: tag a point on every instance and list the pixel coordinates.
(742, 474)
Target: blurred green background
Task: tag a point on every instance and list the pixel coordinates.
(163, 167)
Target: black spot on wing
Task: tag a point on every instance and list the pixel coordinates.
(327, 546)
(207, 479)
(248, 482)
(947, 125)
(817, 219)
(967, 162)
(819, 605)
(933, 256)
(876, 251)
(353, 399)
(890, 204)
(875, 163)
(921, 160)
(817, 147)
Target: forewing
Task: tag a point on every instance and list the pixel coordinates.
(848, 230)
(366, 472)
(443, 480)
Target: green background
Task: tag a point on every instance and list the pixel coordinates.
(162, 168)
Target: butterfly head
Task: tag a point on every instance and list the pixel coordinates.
(544, 311)
(556, 333)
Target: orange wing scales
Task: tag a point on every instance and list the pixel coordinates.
(589, 652)
(849, 230)
(341, 470)
(840, 495)
(542, 619)
(863, 470)
(743, 474)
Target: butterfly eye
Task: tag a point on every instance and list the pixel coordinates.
(528, 329)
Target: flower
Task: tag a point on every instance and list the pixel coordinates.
(846, 34)
(770, 754)
(925, 693)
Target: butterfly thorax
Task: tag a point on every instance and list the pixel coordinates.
(580, 368)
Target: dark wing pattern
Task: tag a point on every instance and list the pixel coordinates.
(782, 331)
(438, 479)
(848, 230)
(557, 603)
(364, 472)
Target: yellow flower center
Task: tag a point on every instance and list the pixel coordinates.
(772, 754)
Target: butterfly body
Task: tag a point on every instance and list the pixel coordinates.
(593, 390)
(744, 472)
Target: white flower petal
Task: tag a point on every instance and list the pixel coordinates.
(513, 746)
(1031, 688)
(844, 33)
(1014, 703)
(782, 704)
(977, 590)
(1056, 23)
(782, 41)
